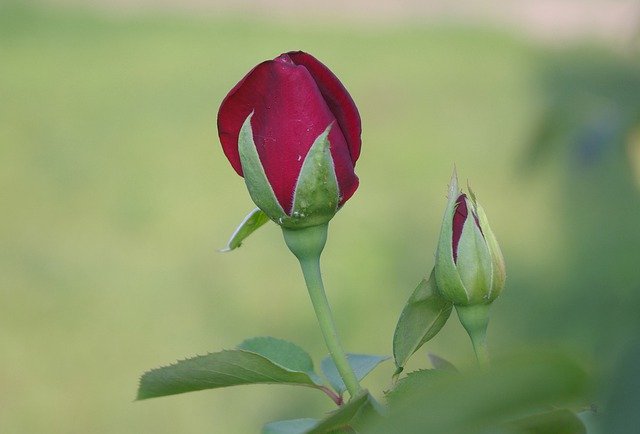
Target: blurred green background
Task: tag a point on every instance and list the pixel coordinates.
(115, 195)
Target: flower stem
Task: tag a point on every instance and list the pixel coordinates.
(475, 320)
(307, 244)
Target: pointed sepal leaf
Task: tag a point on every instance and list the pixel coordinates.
(424, 315)
(316, 197)
(499, 273)
(252, 222)
(254, 175)
(469, 264)
(446, 273)
(362, 365)
(259, 360)
(474, 263)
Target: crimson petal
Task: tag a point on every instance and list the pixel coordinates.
(338, 99)
(289, 114)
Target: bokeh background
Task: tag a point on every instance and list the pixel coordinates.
(115, 194)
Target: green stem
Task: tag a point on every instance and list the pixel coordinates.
(307, 244)
(475, 320)
(480, 348)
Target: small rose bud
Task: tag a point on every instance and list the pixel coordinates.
(291, 129)
(469, 264)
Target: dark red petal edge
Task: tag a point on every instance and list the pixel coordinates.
(337, 98)
(230, 120)
(459, 217)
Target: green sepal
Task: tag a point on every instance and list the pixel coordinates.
(424, 315)
(474, 264)
(447, 278)
(252, 222)
(499, 274)
(254, 175)
(316, 196)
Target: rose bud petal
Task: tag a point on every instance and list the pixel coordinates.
(499, 271)
(469, 264)
(289, 103)
(459, 217)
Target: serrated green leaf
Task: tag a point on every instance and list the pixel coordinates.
(414, 383)
(348, 416)
(294, 426)
(282, 353)
(479, 401)
(341, 421)
(253, 221)
(361, 364)
(222, 369)
(552, 422)
(424, 315)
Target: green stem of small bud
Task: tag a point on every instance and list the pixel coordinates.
(307, 244)
(475, 319)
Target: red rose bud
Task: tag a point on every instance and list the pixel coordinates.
(459, 217)
(469, 264)
(291, 129)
